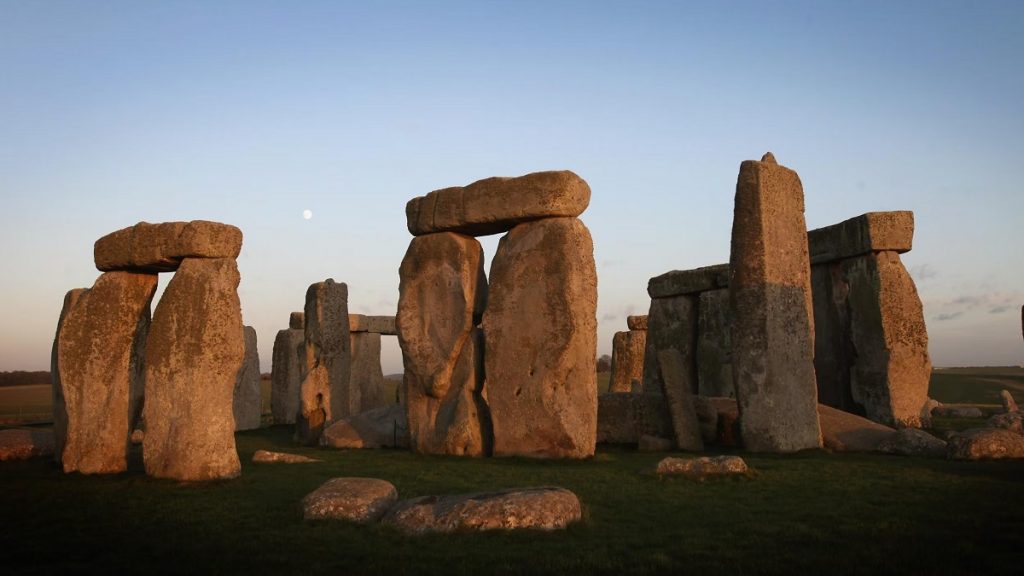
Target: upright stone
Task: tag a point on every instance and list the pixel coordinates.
(286, 373)
(834, 354)
(672, 325)
(367, 375)
(325, 394)
(60, 411)
(714, 345)
(541, 342)
(100, 371)
(627, 360)
(194, 352)
(678, 372)
(248, 404)
(442, 293)
(772, 333)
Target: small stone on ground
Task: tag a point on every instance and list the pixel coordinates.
(361, 500)
(544, 508)
(703, 467)
(267, 457)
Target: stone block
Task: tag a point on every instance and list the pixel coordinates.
(147, 247)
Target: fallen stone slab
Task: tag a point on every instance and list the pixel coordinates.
(542, 508)
(21, 444)
(680, 282)
(1009, 404)
(147, 247)
(384, 427)
(913, 442)
(1012, 421)
(267, 457)
(845, 432)
(985, 444)
(495, 205)
(864, 234)
(360, 500)
(703, 467)
(951, 411)
(378, 324)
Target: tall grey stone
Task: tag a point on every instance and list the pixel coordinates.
(60, 411)
(367, 374)
(671, 324)
(714, 345)
(679, 372)
(248, 403)
(325, 394)
(286, 374)
(770, 289)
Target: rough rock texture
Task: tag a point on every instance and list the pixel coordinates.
(100, 362)
(194, 351)
(60, 412)
(703, 467)
(625, 417)
(985, 444)
(714, 345)
(834, 353)
(495, 205)
(678, 375)
(266, 457)
(161, 247)
(772, 332)
(671, 325)
(1012, 421)
(913, 442)
(541, 327)
(20, 444)
(680, 282)
(627, 360)
(248, 403)
(957, 411)
(366, 373)
(543, 508)
(636, 322)
(1009, 404)
(325, 394)
(384, 427)
(719, 419)
(297, 321)
(845, 432)
(376, 324)
(864, 234)
(442, 294)
(286, 374)
(648, 443)
(360, 500)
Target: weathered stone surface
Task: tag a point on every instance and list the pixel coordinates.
(772, 332)
(864, 234)
(366, 373)
(149, 247)
(985, 444)
(719, 419)
(442, 294)
(845, 432)
(834, 354)
(671, 325)
(137, 436)
(297, 321)
(627, 360)
(648, 443)
(957, 411)
(267, 457)
(625, 417)
(100, 362)
(286, 374)
(913, 442)
(1009, 404)
(60, 411)
(703, 467)
(248, 403)
(22, 444)
(495, 205)
(384, 427)
(542, 508)
(1012, 421)
(360, 500)
(541, 327)
(636, 322)
(680, 282)
(325, 394)
(376, 324)
(714, 345)
(679, 375)
(194, 351)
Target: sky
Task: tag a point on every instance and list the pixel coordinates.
(249, 113)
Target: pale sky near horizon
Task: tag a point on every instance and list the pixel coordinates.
(249, 113)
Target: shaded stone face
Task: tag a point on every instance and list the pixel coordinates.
(297, 321)
(60, 412)
(495, 205)
(680, 282)
(864, 234)
(325, 393)
(442, 293)
(375, 324)
(770, 291)
(671, 325)
(714, 345)
(149, 247)
(247, 403)
(679, 372)
(194, 352)
(541, 343)
(625, 417)
(99, 362)
(627, 360)
(366, 373)
(286, 374)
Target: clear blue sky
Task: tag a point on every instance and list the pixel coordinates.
(250, 112)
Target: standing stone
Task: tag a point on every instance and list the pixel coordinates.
(100, 363)
(671, 325)
(194, 352)
(678, 371)
(325, 394)
(541, 327)
(627, 360)
(834, 354)
(637, 322)
(714, 345)
(366, 374)
(60, 411)
(248, 404)
(442, 293)
(297, 321)
(772, 335)
(286, 374)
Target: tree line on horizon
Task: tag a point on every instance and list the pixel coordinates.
(24, 378)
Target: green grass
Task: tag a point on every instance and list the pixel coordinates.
(26, 403)
(807, 513)
(976, 385)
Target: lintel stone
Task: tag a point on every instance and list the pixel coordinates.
(864, 234)
(680, 282)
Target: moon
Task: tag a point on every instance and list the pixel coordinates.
(307, 214)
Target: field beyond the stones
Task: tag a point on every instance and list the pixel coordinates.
(813, 512)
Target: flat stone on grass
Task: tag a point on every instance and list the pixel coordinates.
(360, 500)
(913, 442)
(543, 508)
(267, 457)
(986, 444)
(703, 467)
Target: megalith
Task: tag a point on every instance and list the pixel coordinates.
(541, 341)
(367, 374)
(99, 359)
(286, 370)
(442, 293)
(193, 354)
(247, 403)
(627, 369)
(325, 394)
(60, 412)
(770, 301)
